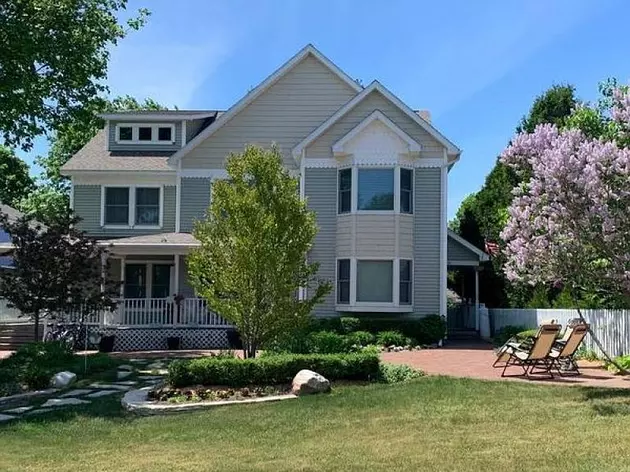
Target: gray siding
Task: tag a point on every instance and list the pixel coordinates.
(458, 252)
(195, 198)
(114, 146)
(427, 241)
(184, 286)
(375, 236)
(87, 205)
(345, 235)
(322, 146)
(285, 114)
(405, 236)
(320, 189)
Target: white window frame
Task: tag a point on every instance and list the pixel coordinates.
(148, 263)
(386, 307)
(354, 190)
(154, 133)
(132, 207)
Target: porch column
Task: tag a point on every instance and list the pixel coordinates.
(122, 276)
(477, 297)
(176, 284)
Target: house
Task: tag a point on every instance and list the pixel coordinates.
(373, 169)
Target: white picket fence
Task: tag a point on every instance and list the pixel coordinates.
(612, 327)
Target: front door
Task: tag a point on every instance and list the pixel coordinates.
(161, 281)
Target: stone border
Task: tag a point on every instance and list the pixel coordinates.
(136, 402)
(24, 396)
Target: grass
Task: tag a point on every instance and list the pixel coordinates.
(430, 424)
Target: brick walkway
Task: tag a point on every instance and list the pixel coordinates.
(475, 360)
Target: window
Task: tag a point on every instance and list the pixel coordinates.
(343, 281)
(145, 133)
(125, 133)
(375, 281)
(116, 206)
(135, 281)
(148, 206)
(376, 189)
(406, 191)
(161, 282)
(405, 282)
(345, 190)
(164, 134)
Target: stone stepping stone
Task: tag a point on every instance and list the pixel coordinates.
(75, 393)
(123, 374)
(102, 393)
(39, 411)
(126, 382)
(156, 365)
(19, 410)
(110, 386)
(64, 402)
(126, 367)
(6, 417)
(150, 377)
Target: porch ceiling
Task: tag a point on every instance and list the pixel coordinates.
(163, 243)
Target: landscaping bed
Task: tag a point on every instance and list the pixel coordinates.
(201, 393)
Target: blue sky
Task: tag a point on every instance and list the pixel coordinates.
(477, 66)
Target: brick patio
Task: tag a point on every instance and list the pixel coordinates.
(475, 360)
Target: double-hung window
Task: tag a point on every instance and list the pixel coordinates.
(131, 206)
(345, 191)
(343, 281)
(404, 282)
(406, 190)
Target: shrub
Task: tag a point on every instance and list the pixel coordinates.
(427, 330)
(391, 338)
(349, 324)
(622, 361)
(360, 338)
(397, 373)
(327, 342)
(272, 370)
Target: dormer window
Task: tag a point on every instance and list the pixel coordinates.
(145, 133)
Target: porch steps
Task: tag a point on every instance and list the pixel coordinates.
(14, 335)
(463, 334)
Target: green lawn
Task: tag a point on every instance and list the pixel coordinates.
(430, 424)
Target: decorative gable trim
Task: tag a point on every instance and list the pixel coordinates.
(258, 91)
(338, 147)
(452, 150)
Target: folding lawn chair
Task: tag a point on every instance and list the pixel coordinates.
(563, 352)
(532, 359)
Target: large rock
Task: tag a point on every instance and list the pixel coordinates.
(63, 379)
(307, 381)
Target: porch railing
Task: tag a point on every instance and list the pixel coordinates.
(154, 312)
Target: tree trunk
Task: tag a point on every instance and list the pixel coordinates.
(36, 327)
(249, 350)
(597, 341)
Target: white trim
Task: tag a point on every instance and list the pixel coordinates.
(125, 178)
(176, 281)
(258, 91)
(443, 238)
(452, 150)
(331, 162)
(131, 217)
(482, 255)
(458, 263)
(374, 308)
(203, 173)
(377, 115)
(157, 116)
(154, 133)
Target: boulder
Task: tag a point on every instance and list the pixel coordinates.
(63, 379)
(307, 381)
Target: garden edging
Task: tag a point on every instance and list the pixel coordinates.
(136, 401)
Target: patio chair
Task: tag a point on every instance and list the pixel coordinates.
(532, 359)
(564, 349)
(503, 356)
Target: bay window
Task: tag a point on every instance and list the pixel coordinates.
(377, 189)
(131, 206)
(343, 281)
(374, 281)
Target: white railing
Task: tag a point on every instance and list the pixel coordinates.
(612, 327)
(143, 312)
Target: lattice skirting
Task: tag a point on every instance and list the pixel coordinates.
(154, 339)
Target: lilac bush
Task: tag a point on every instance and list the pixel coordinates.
(569, 222)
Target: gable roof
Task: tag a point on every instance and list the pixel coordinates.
(377, 115)
(258, 91)
(376, 86)
(456, 237)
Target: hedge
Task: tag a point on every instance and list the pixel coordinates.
(272, 370)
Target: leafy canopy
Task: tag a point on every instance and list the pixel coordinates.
(56, 269)
(15, 182)
(53, 61)
(253, 255)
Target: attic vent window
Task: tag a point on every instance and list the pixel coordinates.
(145, 133)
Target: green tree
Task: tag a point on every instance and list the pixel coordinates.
(56, 269)
(252, 260)
(15, 182)
(51, 198)
(53, 61)
(482, 215)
